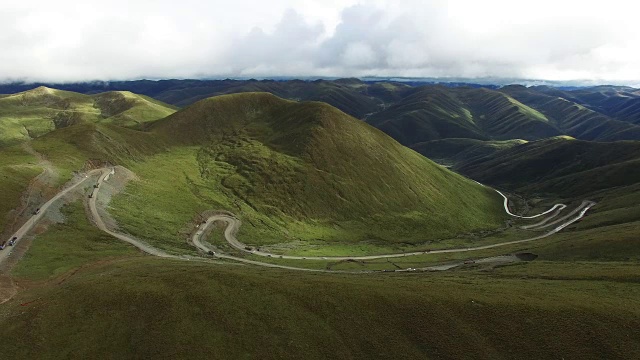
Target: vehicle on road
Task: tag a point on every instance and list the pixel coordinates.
(13, 241)
(211, 253)
(37, 211)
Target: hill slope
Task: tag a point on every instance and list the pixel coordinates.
(149, 308)
(560, 166)
(435, 112)
(454, 151)
(309, 162)
(36, 112)
(574, 119)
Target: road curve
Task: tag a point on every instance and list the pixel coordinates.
(101, 225)
(233, 225)
(33, 220)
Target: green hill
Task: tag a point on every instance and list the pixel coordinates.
(435, 112)
(148, 308)
(428, 113)
(454, 151)
(574, 119)
(618, 102)
(292, 172)
(310, 170)
(33, 113)
(502, 117)
(352, 97)
(560, 166)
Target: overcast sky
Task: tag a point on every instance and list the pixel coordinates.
(64, 40)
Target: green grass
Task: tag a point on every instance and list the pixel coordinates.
(455, 151)
(296, 172)
(572, 118)
(83, 146)
(36, 112)
(17, 168)
(559, 166)
(153, 308)
(68, 246)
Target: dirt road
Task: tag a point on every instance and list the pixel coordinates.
(233, 225)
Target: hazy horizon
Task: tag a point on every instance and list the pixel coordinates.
(566, 42)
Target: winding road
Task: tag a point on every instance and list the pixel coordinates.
(233, 225)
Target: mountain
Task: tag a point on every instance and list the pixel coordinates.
(619, 102)
(574, 119)
(454, 151)
(560, 166)
(436, 112)
(33, 113)
(427, 113)
(310, 162)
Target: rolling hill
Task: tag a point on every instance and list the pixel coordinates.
(560, 166)
(306, 175)
(292, 171)
(574, 119)
(148, 308)
(355, 97)
(618, 102)
(453, 151)
(33, 113)
(436, 112)
(309, 163)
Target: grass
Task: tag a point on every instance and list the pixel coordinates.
(31, 114)
(17, 168)
(83, 146)
(572, 118)
(455, 151)
(68, 246)
(187, 310)
(559, 166)
(295, 172)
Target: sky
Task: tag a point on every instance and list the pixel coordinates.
(561, 40)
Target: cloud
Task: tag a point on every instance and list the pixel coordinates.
(556, 40)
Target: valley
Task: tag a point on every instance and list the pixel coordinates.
(245, 211)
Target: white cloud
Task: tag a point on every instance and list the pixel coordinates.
(558, 40)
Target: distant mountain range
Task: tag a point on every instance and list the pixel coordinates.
(414, 112)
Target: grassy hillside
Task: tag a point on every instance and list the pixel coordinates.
(297, 171)
(502, 117)
(428, 113)
(574, 119)
(435, 112)
(89, 145)
(618, 102)
(454, 151)
(560, 166)
(352, 98)
(152, 308)
(33, 113)
(17, 169)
